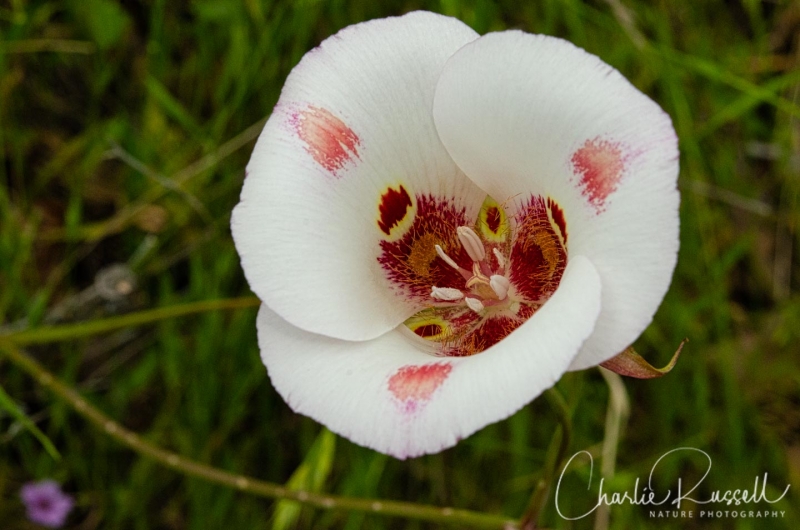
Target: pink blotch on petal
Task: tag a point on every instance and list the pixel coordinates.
(600, 164)
(414, 384)
(328, 140)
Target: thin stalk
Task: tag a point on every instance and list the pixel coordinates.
(616, 417)
(556, 453)
(561, 408)
(181, 464)
(45, 334)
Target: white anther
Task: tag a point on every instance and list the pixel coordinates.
(499, 285)
(447, 294)
(500, 259)
(474, 304)
(447, 259)
(471, 243)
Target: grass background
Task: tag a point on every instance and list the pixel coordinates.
(116, 121)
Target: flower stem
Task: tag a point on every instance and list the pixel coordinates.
(251, 485)
(45, 334)
(616, 416)
(556, 452)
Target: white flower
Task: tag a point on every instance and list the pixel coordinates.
(440, 225)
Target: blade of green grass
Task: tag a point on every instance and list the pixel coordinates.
(8, 404)
(172, 106)
(745, 103)
(45, 334)
(310, 476)
(715, 72)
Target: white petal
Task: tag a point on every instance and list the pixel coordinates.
(353, 125)
(388, 395)
(529, 114)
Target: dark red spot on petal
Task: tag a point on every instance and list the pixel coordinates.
(460, 322)
(428, 330)
(418, 383)
(329, 141)
(493, 219)
(558, 217)
(393, 208)
(600, 164)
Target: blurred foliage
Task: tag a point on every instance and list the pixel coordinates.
(106, 107)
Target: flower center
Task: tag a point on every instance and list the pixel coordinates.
(477, 283)
(486, 286)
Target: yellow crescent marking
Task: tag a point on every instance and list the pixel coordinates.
(496, 236)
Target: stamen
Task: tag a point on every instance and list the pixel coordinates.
(471, 243)
(500, 285)
(447, 259)
(474, 304)
(448, 294)
(500, 259)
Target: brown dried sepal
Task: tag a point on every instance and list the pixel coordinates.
(631, 364)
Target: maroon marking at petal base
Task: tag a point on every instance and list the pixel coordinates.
(411, 263)
(328, 140)
(428, 330)
(493, 219)
(538, 258)
(558, 217)
(488, 333)
(393, 208)
(600, 164)
(418, 383)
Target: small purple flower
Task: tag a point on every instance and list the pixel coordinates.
(47, 504)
